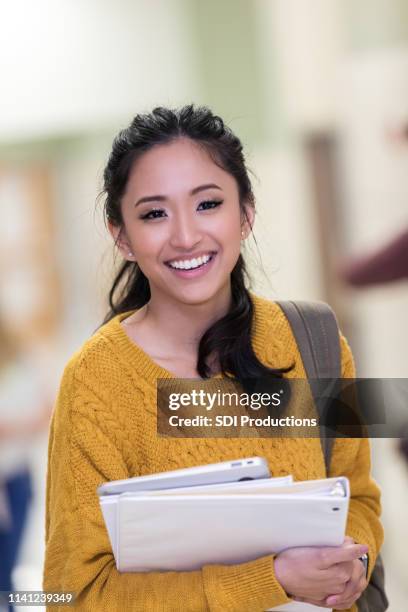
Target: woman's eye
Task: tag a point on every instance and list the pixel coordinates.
(156, 213)
(208, 204)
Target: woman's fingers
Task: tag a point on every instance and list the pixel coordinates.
(318, 573)
(332, 555)
(354, 588)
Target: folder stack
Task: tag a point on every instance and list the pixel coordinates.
(186, 528)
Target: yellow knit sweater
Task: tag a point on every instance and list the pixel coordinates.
(104, 428)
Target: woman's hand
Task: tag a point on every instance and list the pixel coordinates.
(324, 576)
(353, 590)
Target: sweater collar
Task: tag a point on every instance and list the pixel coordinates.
(267, 347)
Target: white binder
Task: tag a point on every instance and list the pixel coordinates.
(109, 503)
(184, 529)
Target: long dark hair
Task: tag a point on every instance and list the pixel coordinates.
(229, 338)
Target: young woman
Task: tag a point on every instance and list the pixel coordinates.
(179, 205)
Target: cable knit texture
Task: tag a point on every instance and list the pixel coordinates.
(104, 428)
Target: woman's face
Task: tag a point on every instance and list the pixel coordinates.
(182, 223)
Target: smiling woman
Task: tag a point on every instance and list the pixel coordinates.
(192, 230)
(179, 204)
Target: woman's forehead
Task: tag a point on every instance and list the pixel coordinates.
(179, 165)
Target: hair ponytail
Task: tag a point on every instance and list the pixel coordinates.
(132, 287)
(230, 338)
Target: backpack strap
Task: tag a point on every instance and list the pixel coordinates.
(316, 332)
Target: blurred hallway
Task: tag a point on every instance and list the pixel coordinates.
(313, 87)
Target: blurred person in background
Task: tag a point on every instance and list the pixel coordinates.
(389, 262)
(24, 412)
(403, 445)
(384, 265)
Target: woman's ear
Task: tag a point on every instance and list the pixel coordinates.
(247, 221)
(120, 239)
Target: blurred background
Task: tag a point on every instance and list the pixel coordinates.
(318, 92)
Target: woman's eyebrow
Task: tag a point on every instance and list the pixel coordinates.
(154, 198)
(162, 198)
(204, 187)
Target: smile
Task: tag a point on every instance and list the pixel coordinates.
(191, 264)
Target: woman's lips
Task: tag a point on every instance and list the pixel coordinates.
(194, 272)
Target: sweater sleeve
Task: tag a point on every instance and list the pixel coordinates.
(83, 454)
(351, 458)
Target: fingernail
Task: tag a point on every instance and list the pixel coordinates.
(331, 601)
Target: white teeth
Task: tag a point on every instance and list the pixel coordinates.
(190, 264)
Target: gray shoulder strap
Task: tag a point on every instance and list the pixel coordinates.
(316, 331)
(315, 328)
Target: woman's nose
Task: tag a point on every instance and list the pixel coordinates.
(185, 232)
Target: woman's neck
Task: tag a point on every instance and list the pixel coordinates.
(180, 326)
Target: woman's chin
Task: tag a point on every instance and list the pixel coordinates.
(194, 296)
